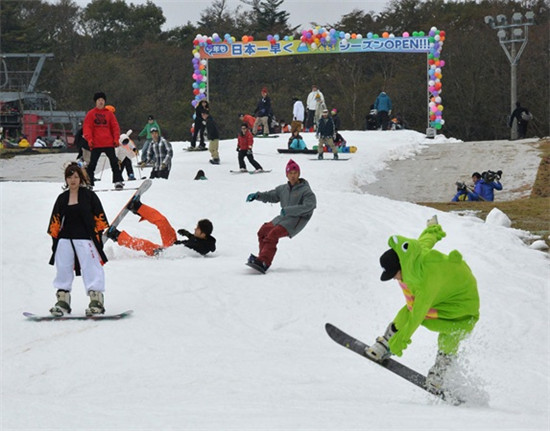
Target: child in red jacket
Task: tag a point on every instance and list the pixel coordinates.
(245, 140)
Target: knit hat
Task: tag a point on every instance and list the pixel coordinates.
(334, 111)
(153, 129)
(100, 95)
(264, 89)
(292, 166)
(390, 263)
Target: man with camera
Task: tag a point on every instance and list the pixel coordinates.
(487, 183)
(484, 186)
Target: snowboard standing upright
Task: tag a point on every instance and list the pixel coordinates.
(141, 189)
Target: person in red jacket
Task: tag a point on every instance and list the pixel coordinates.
(101, 131)
(245, 140)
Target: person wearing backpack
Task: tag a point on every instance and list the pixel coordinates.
(522, 116)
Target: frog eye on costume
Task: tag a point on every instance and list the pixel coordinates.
(405, 246)
(394, 238)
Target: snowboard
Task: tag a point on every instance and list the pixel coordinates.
(196, 149)
(140, 190)
(116, 190)
(392, 365)
(290, 151)
(38, 318)
(331, 159)
(265, 137)
(256, 267)
(265, 171)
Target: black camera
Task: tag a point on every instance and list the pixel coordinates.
(490, 176)
(460, 186)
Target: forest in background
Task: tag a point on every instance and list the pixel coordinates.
(121, 49)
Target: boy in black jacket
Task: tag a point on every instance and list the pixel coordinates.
(201, 240)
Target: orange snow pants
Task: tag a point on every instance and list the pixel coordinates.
(167, 232)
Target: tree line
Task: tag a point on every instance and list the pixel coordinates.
(121, 49)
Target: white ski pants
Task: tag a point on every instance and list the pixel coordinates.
(93, 275)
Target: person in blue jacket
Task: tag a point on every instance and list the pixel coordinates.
(467, 193)
(488, 182)
(383, 109)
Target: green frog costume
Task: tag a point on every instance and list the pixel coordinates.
(440, 291)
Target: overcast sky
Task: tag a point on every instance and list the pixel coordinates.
(302, 12)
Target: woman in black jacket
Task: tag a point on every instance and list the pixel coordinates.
(76, 225)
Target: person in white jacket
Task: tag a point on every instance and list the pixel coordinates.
(313, 99)
(298, 113)
(124, 152)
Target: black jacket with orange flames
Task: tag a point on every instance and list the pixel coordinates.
(92, 214)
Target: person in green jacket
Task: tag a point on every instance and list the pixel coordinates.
(441, 294)
(151, 122)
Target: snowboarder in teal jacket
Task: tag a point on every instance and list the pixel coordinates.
(440, 294)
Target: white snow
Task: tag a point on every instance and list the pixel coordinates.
(214, 346)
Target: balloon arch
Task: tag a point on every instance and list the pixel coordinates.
(323, 41)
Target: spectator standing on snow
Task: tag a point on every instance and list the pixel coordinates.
(522, 117)
(383, 108)
(213, 136)
(160, 153)
(101, 131)
(298, 114)
(313, 98)
(263, 113)
(199, 126)
(151, 122)
(297, 202)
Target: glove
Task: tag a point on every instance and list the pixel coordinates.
(249, 152)
(178, 242)
(237, 149)
(251, 197)
(283, 212)
(184, 232)
(163, 167)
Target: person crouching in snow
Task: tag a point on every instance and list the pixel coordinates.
(201, 241)
(297, 204)
(441, 295)
(125, 151)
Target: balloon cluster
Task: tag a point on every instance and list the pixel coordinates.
(436, 38)
(200, 72)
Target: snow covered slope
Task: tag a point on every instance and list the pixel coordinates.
(214, 346)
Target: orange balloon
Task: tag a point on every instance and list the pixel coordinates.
(385, 35)
(245, 39)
